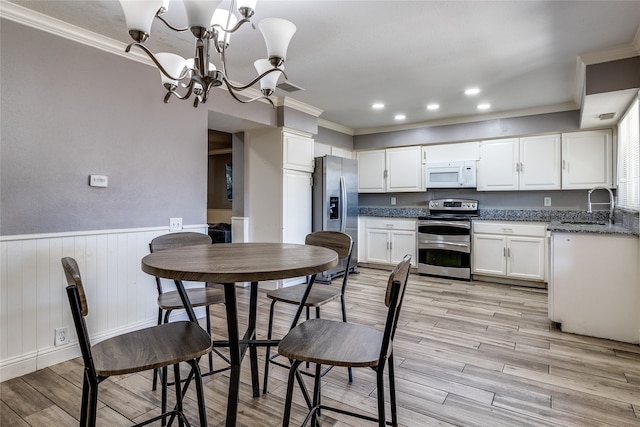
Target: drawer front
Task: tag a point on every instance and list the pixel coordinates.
(533, 229)
(391, 224)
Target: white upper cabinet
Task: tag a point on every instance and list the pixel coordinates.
(497, 165)
(372, 171)
(404, 169)
(444, 153)
(587, 159)
(390, 170)
(529, 163)
(540, 162)
(297, 152)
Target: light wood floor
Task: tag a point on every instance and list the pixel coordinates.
(467, 354)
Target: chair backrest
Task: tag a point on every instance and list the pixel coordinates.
(79, 309)
(342, 243)
(177, 240)
(339, 242)
(393, 299)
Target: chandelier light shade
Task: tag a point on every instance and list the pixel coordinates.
(277, 34)
(267, 83)
(211, 28)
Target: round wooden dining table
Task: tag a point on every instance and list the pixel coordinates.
(228, 263)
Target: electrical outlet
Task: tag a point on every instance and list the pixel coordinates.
(547, 201)
(61, 336)
(393, 201)
(175, 224)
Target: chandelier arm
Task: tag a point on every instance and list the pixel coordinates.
(246, 101)
(235, 27)
(254, 81)
(180, 30)
(155, 61)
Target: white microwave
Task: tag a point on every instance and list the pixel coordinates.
(461, 174)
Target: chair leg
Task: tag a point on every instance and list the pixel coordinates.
(85, 399)
(316, 396)
(289, 397)
(208, 312)
(392, 391)
(156, 372)
(163, 399)
(178, 390)
(92, 403)
(344, 319)
(199, 391)
(380, 393)
(267, 360)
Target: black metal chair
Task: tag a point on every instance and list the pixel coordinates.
(171, 343)
(330, 342)
(169, 301)
(319, 295)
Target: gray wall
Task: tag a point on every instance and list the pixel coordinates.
(486, 129)
(560, 199)
(334, 138)
(69, 111)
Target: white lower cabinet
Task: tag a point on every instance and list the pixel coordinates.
(593, 285)
(387, 241)
(515, 250)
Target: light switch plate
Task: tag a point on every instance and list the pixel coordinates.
(98, 180)
(175, 224)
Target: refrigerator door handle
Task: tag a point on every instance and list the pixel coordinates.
(343, 196)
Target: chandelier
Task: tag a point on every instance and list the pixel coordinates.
(212, 28)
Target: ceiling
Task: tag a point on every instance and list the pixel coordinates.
(523, 55)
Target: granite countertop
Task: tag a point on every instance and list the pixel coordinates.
(559, 220)
(590, 227)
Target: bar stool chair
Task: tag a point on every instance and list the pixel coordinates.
(319, 295)
(168, 301)
(345, 344)
(146, 349)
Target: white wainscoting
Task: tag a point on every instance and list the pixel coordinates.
(33, 300)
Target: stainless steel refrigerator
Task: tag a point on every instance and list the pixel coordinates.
(335, 204)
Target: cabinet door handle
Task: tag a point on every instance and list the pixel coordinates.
(564, 165)
(386, 173)
(521, 167)
(508, 252)
(390, 245)
(504, 252)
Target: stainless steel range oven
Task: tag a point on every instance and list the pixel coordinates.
(444, 238)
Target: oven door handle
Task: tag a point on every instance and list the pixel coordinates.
(456, 224)
(439, 242)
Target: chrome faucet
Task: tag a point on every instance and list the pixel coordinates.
(610, 203)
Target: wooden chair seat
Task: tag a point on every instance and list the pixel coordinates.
(199, 297)
(150, 348)
(333, 343)
(319, 295)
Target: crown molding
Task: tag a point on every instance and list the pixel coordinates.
(336, 127)
(567, 106)
(285, 101)
(48, 24)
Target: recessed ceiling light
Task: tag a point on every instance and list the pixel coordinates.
(484, 106)
(433, 106)
(472, 91)
(400, 117)
(377, 106)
